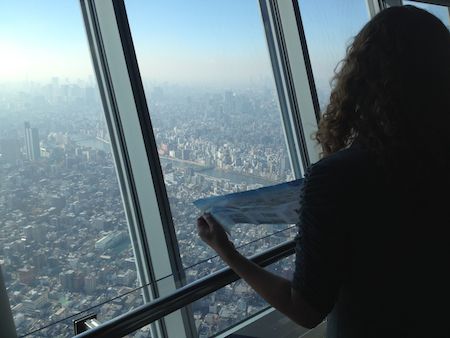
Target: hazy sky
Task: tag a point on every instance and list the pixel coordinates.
(40, 39)
(176, 41)
(182, 41)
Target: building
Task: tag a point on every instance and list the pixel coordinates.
(32, 146)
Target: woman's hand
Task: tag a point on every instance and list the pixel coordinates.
(213, 234)
(274, 289)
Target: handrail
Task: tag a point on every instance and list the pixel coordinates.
(148, 313)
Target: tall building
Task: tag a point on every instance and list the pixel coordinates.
(32, 142)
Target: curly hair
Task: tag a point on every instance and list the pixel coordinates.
(391, 92)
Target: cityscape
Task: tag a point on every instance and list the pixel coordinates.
(65, 247)
(65, 244)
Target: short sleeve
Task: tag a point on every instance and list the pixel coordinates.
(320, 244)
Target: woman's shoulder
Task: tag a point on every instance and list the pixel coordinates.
(341, 176)
(348, 160)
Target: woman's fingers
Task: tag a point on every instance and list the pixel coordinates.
(213, 233)
(210, 230)
(201, 222)
(203, 228)
(213, 224)
(209, 219)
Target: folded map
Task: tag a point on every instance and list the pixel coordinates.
(275, 204)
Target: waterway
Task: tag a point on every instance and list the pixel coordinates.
(231, 176)
(91, 142)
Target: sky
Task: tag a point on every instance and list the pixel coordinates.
(329, 29)
(40, 39)
(176, 41)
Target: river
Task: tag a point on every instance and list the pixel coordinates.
(233, 177)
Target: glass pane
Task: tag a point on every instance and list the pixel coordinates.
(209, 264)
(64, 243)
(442, 12)
(104, 311)
(130, 298)
(329, 28)
(213, 105)
(234, 304)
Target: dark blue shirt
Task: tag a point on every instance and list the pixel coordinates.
(373, 249)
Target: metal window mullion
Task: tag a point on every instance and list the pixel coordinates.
(374, 6)
(149, 140)
(290, 59)
(296, 155)
(121, 158)
(304, 91)
(153, 162)
(143, 186)
(309, 103)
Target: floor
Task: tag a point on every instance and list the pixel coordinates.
(276, 325)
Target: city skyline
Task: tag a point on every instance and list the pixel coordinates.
(64, 243)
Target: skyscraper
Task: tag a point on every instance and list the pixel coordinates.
(32, 142)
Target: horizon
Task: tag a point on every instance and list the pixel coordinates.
(222, 43)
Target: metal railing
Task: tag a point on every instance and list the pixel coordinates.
(161, 307)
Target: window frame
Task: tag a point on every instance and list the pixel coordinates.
(294, 80)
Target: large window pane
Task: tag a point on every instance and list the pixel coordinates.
(329, 28)
(213, 105)
(64, 243)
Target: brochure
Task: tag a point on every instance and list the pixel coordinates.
(276, 204)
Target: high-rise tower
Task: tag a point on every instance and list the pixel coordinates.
(32, 142)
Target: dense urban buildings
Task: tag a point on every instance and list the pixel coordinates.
(64, 244)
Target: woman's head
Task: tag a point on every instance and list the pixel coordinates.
(392, 90)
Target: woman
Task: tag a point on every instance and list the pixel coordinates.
(374, 243)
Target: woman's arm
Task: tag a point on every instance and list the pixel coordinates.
(277, 291)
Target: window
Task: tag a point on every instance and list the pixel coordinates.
(329, 27)
(214, 108)
(64, 242)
